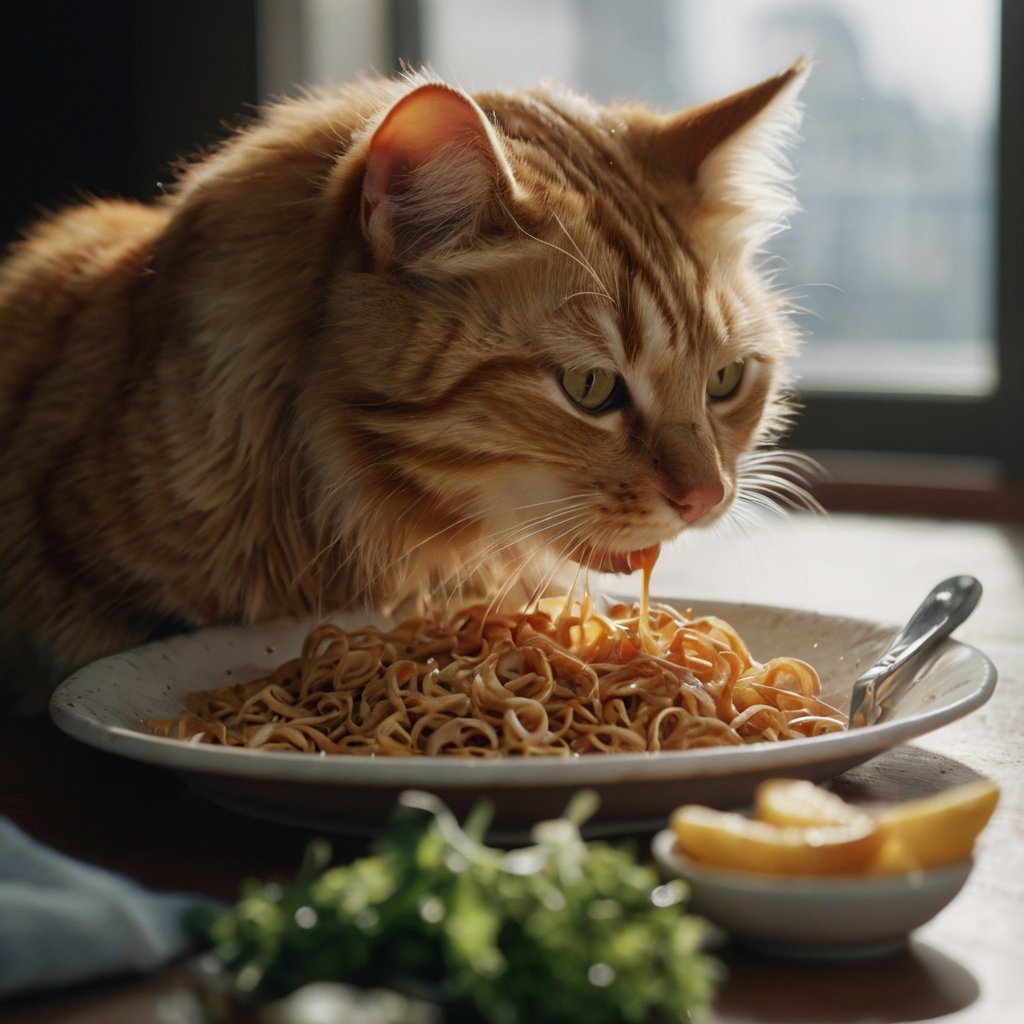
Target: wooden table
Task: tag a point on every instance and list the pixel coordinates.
(963, 967)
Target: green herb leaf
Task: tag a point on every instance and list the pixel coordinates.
(563, 930)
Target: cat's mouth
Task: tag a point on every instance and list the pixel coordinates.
(623, 562)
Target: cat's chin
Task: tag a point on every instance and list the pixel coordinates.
(621, 562)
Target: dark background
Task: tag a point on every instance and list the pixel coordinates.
(102, 96)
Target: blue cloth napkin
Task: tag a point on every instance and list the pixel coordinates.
(62, 921)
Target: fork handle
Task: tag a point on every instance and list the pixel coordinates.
(948, 604)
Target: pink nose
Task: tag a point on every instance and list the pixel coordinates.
(693, 504)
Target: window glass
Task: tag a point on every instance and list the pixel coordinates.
(892, 254)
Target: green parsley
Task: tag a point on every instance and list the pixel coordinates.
(563, 930)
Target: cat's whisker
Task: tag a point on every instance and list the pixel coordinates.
(566, 507)
(583, 259)
(781, 492)
(503, 540)
(512, 580)
(511, 535)
(558, 566)
(500, 545)
(578, 295)
(571, 551)
(579, 260)
(546, 578)
(497, 544)
(774, 482)
(498, 596)
(568, 520)
(800, 461)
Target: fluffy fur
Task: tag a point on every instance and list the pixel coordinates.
(323, 372)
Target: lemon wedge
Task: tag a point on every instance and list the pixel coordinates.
(934, 830)
(800, 802)
(800, 828)
(725, 839)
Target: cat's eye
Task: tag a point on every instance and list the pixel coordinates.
(724, 382)
(594, 390)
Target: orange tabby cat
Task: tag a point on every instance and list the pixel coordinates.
(387, 346)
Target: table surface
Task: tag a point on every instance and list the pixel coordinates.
(962, 967)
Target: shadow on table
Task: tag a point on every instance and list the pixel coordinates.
(919, 983)
(903, 773)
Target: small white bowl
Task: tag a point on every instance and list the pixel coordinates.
(834, 917)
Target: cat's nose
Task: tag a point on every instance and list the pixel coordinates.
(696, 502)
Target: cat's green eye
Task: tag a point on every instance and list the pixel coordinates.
(593, 390)
(724, 382)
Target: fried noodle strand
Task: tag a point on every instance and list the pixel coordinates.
(522, 684)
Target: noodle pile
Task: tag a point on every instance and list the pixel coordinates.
(533, 683)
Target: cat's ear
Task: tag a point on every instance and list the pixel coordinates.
(727, 159)
(435, 172)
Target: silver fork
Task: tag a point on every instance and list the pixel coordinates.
(948, 604)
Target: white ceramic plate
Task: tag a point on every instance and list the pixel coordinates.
(106, 703)
(814, 918)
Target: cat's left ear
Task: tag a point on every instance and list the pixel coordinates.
(723, 162)
(435, 174)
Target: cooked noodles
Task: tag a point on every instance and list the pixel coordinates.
(548, 682)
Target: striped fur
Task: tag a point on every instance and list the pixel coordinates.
(322, 372)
